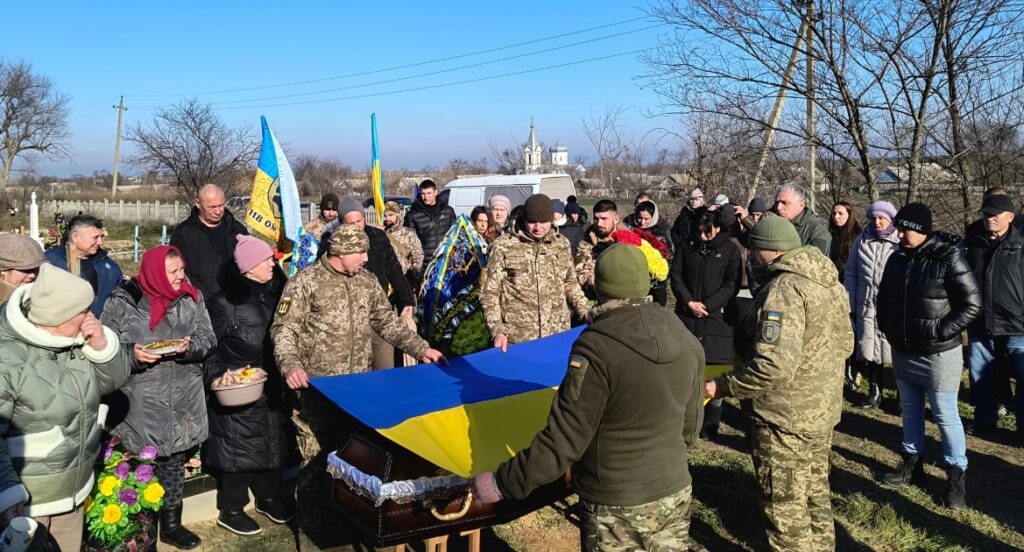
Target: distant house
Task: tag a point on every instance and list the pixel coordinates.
(674, 185)
(931, 176)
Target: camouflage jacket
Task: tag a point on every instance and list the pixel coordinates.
(529, 286)
(321, 322)
(316, 227)
(586, 260)
(797, 339)
(407, 247)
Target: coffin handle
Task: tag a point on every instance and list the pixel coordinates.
(454, 515)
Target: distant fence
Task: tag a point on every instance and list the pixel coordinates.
(155, 212)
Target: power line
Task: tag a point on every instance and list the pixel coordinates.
(439, 72)
(433, 86)
(395, 67)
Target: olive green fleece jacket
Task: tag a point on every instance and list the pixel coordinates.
(626, 414)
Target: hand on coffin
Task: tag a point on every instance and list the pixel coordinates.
(485, 489)
(435, 356)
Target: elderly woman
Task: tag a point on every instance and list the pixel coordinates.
(56, 361)
(862, 276)
(163, 402)
(247, 444)
(20, 257)
(501, 210)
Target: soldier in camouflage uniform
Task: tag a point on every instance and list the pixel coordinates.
(797, 337)
(323, 327)
(328, 212)
(404, 241)
(530, 284)
(595, 240)
(624, 420)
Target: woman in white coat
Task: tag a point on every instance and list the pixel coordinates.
(862, 276)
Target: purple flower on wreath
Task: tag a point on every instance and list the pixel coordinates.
(128, 496)
(108, 452)
(122, 470)
(148, 452)
(144, 473)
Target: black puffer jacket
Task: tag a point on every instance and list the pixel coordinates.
(999, 270)
(430, 222)
(708, 272)
(927, 297)
(206, 251)
(252, 437)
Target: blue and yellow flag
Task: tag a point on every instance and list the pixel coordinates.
(467, 417)
(377, 183)
(274, 208)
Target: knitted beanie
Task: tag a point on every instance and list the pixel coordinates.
(621, 273)
(916, 217)
(539, 209)
(250, 252)
(882, 208)
(774, 234)
(57, 296)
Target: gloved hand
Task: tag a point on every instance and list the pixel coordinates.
(485, 489)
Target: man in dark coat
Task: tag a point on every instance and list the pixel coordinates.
(82, 254)
(996, 256)
(206, 239)
(429, 219)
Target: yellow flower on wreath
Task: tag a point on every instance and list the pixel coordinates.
(88, 503)
(111, 514)
(109, 485)
(153, 492)
(656, 264)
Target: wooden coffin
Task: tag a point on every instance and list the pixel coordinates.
(395, 523)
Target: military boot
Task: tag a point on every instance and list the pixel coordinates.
(911, 471)
(956, 491)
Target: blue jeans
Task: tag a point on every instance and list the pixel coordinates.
(944, 410)
(982, 355)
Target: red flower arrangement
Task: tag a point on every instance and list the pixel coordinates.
(654, 241)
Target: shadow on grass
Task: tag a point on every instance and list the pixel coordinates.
(922, 518)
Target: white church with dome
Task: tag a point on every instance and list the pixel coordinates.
(533, 158)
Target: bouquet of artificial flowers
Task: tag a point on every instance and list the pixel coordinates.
(120, 513)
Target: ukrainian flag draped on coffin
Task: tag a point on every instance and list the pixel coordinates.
(467, 417)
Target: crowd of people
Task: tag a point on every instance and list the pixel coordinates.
(797, 308)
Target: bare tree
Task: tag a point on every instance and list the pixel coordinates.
(191, 142)
(33, 117)
(605, 133)
(320, 175)
(506, 158)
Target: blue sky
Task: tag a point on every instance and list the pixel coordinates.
(157, 53)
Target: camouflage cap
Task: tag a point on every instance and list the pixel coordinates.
(392, 207)
(349, 239)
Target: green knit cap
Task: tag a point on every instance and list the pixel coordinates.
(774, 233)
(621, 273)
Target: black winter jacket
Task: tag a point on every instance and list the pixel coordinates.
(203, 259)
(927, 297)
(999, 271)
(251, 437)
(430, 222)
(709, 272)
(574, 232)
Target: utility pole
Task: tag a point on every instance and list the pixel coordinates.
(117, 144)
(812, 150)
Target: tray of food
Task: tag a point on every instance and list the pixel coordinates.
(240, 386)
(162, 347)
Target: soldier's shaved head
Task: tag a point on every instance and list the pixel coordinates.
(210, 202)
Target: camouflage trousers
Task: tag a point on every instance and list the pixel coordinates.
(792, 477)
(317, 432)
(661, 526)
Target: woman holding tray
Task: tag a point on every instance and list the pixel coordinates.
(162, 404)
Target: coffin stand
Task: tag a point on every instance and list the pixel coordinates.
(392, 496)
